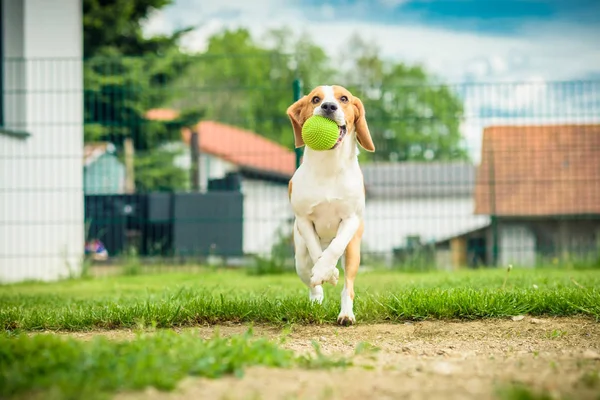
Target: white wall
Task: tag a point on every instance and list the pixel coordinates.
(266, 210)
(211, 167)
(517, 246)
(388, 222)
(41, 207)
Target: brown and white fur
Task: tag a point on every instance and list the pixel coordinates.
(328, 197)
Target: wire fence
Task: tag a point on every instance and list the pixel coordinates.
(191, 165)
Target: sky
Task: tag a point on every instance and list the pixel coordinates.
(527, 48)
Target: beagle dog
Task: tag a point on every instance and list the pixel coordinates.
(327, 195)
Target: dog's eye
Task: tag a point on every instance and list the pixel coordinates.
(344, 99)
(315, 100)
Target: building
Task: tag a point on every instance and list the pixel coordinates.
(417, 202)
(41, 139)
(103, 172)
(261, 167)
(542, 186)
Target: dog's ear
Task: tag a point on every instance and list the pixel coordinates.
(363, 136)
(294, 112)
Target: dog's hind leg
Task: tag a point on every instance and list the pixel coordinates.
(304, 266)
(351, 262)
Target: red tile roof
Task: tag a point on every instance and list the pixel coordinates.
(238, 146)
(539, 171)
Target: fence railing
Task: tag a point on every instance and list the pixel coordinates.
(465, 175)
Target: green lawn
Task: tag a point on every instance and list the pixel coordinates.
(50, 367)
(172, 299)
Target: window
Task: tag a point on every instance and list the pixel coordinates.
(3, 130)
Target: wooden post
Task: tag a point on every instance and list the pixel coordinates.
(129, 166)
(195, 155)
(458, 249)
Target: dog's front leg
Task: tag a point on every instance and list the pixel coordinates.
(324, 269)
(307, 230)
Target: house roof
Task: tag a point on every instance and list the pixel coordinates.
(93, 151)
(539, 171)
(244, 148)
(419, 179)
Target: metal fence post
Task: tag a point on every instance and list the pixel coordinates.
(297, 96)
(493, 214)
(195, 154)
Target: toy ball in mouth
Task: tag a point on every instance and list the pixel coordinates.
(320, 133)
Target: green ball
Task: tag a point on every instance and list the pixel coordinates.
(320, 133)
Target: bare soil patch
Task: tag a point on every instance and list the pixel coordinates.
(422, 360)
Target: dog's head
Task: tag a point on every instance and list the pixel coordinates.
(337, 104)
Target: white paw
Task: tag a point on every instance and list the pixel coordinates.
(346, 316)
(324, 271)
(316, 294)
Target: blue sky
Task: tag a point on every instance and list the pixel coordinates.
(456, 39)
(501, 17)
(530, 43)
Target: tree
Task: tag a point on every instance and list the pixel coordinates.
(125, 75)
(247, 83)
(242, 82)
(411, 117)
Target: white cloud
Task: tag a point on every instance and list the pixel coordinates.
(546, 50)
(157, 24)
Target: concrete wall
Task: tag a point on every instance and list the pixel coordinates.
(554, 238)
(266, 212)
(41, 207)
(211, 167)
(389, 221)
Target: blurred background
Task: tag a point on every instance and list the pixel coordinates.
(153, 133)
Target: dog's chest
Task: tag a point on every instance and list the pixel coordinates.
(327, 198)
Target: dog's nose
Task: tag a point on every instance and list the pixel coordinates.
(329, 107)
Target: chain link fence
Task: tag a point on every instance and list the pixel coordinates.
(137, 172)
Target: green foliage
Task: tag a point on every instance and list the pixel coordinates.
(156, 170)
(522, 392)
(55, 368)
(411, 116)
(125, 75)
(132, 265)
(243, 83)
(116, 24)
(247, 82)
(270, 266)
(281, 259)
(171, 300)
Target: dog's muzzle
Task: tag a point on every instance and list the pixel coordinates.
(340, 137)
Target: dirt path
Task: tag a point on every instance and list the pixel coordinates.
(425, 360)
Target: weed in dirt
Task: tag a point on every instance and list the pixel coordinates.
(556, 334)
(522, 392)
(172, 300)
(53, 367)
(591, 379)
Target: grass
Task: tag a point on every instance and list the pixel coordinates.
(170, 300)
(52, 367)
(522, 392)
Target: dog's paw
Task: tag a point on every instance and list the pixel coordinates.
(346, 319)
(324, 272)
(316, 295)
(346, 316)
